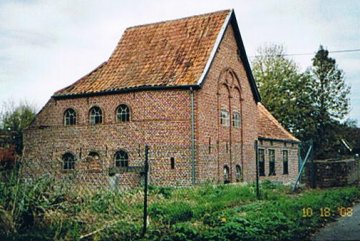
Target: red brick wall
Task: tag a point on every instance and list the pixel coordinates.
(279, 147)
(221, 90)
(160, 119)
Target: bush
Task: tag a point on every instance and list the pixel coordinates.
(24, 205)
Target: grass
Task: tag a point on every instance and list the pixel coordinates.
(49, 210)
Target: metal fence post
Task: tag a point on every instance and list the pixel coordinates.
(146, 170)
(257, 170)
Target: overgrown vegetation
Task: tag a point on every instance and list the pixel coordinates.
(51, 210)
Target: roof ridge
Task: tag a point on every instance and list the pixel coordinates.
(178, 19)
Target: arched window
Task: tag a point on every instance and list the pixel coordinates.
(238, 173)
(121, 159)
(68, 161)
(226, 174)
(123, 113)
(69, 117)
(95, 114)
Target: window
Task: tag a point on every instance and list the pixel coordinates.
(261, 162)
(172, 163)
(238, 173)
(95, 115)
(68, 161)
(94, 155)
(272, 163)
(236, 120)
(123, 113)
(209, 145)
(121, 159)
(224, 118)
(226, 174)
(285, 162)
(69, 117)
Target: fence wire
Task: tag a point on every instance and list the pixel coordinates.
(100, 191)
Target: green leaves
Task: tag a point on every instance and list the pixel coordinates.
(331, 100)
(285, 91)
(16, 119)
(309, 103)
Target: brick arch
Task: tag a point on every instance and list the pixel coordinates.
(233, 136)
(230, 79)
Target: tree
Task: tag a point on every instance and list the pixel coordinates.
(331, 99)
(310, 104)
(284, 90)
(15, 119)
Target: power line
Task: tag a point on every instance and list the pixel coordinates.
(303, 54)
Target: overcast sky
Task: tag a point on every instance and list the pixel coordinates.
(47, 45)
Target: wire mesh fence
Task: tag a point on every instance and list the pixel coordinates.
(92, 194)
(120, 169)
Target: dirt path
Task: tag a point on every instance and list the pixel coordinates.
(345, 228)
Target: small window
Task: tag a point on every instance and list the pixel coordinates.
(236, 120)
(227, 147)
(224, 118)
(238, 173)
(261, 162)
(285, 162)
(172, 163)
(68, 161)
(94, 155)
(272, 163)
(123, 113)
(121, 159)
(95, 115)
(226, 175)
(209, 145)
(69, 117)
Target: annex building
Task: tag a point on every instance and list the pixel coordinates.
(183, 87)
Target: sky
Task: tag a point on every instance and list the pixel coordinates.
(47, 45)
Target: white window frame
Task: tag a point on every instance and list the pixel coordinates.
(236, 119)
(224, 118)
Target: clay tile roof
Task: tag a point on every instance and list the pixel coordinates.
(170, 53)
(270, 128)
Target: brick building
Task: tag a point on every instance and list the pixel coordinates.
(185, 88)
